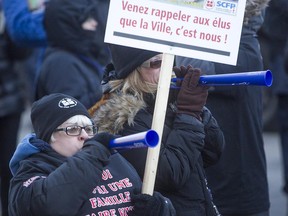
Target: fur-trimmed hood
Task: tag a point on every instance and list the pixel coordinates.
(114, 110)
(254, 8)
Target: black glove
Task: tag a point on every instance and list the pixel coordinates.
(103, 139)
(192, 97)
(156, 205)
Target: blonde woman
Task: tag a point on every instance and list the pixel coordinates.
(190, 136)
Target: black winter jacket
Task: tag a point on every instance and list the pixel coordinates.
(88, 183)
(64, 72)
(186, 142)
(239, 181)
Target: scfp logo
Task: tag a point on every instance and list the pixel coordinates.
(227, 5)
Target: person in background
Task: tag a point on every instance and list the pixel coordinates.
(24, 24)
(65, 169)
(274, 33)
(239, 180)
(71, 63)
(191, 137)
(12, 103)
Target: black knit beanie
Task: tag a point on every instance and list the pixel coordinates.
(127, 59)
(51, 111)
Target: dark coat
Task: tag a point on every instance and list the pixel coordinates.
(239, 180)
(65, 72)
(180, 174)
(74, 60)
(274, 33)
(90, 182)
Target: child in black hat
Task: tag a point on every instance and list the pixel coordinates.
(65, 169)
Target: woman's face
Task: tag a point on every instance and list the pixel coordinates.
(69, 138)
(150, 69)
(90, 24)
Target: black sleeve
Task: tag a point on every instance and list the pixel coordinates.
(214, 139)
(180, 152)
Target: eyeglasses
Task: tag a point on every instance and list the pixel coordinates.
(155, 64)
(76, 130)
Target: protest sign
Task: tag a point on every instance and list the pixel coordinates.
(203, 29)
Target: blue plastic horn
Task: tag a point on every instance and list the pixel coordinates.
(148, 138)
(261, 78)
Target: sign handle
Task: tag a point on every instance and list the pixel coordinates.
(158, 122)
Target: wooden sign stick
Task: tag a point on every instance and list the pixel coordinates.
(158, 122)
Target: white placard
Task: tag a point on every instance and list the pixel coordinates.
(203, 29)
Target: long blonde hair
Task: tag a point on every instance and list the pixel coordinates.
(133, 84)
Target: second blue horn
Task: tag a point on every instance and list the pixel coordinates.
(261, 78)
(148, 138)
